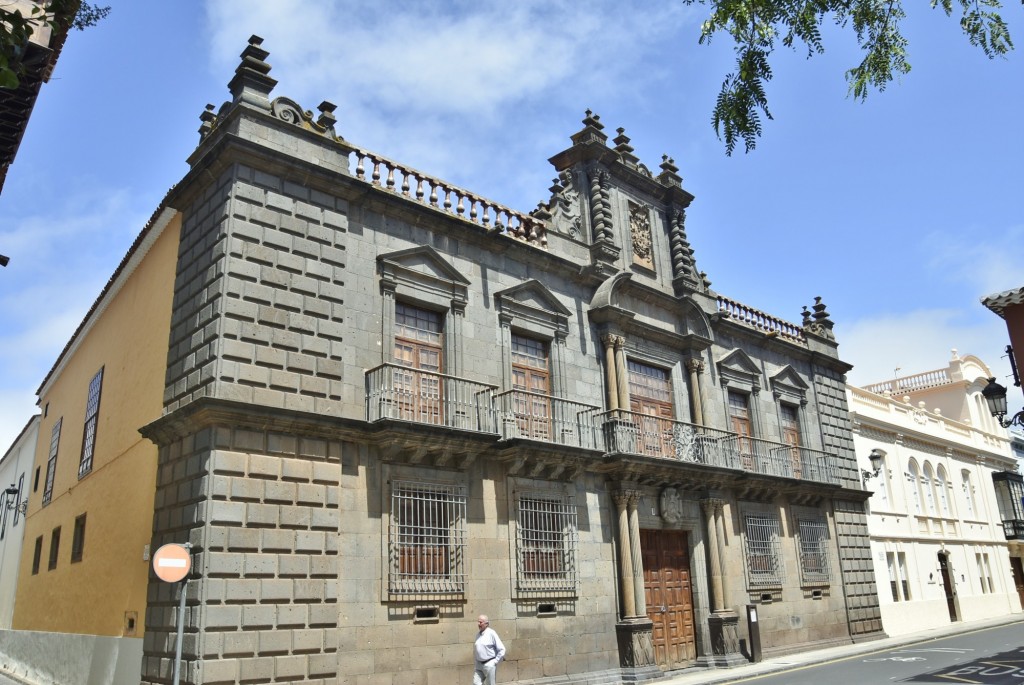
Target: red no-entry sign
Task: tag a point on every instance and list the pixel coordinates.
(172, 563)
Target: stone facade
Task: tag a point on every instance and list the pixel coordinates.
(392, 405)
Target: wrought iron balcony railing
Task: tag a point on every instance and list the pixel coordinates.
(633, 433)
(536, 416)
(405, 394)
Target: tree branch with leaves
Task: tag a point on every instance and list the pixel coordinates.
(19, 22)
(756, 25)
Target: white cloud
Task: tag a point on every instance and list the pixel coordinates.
(919, 340)
(986, 259)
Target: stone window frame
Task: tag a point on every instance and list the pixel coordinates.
(422, 278)
(395, 588)
(739, 373)
(788, 388)
(566, 586)
(532, 311)
(775, 579)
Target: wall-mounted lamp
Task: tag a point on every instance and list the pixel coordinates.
(11, 495)
(995, 396)
(877, 458)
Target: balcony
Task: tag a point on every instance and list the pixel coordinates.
(404, 394)
(1013, 529)
(632, 433)
(535, 416)
(399, 393)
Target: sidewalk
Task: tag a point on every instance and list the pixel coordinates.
(705, 676)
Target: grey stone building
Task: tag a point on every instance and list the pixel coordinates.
(392, 405)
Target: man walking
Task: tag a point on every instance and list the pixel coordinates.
(487, 652)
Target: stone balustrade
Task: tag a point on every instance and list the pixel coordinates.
(427, 190)
(757, 319)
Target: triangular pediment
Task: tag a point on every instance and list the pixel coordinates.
(739, 361)
(424, 261)
(788, 377)
(533, 294)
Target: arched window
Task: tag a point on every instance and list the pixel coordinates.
(942, 490)
(914, 481)
(967, 483)
(925, 484)
(882, 498)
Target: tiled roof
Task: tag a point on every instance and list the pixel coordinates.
(1000, 301)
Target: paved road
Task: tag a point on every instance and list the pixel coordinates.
(992, 656)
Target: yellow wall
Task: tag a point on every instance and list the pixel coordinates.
(129, 340)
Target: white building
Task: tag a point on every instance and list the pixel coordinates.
(15, 477)
(937, 532)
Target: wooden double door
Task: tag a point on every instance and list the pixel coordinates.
(667, 589)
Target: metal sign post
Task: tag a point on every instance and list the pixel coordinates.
(172, 564)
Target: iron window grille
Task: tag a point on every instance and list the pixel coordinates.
(814, 564)
(764, 553)
(92, 410)
(51, 462)
(546, 542)
(427, 542)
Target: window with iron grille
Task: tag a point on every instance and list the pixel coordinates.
(546, 541)
(427, 543)
(814, 567)
(51, 462)
(92, 410)
(764, 554)
(78, 539)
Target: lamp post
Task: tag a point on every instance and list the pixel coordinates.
(877, 458)
(995, 397)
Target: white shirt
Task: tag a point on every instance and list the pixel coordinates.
(488, 646)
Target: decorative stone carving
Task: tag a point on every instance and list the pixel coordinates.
(671, 505)
(640, 229)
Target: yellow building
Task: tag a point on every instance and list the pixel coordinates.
(84, 567)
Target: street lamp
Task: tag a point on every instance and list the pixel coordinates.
(995, 396)
(11, 495)
(877, 458)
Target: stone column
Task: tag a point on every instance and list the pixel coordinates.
(711, 508)
(625, 556)
(638, 562)
(609, 371)
(696, 368)
(620, 371)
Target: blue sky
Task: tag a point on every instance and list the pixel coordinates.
(901, 213)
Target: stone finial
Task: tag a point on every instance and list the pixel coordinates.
(252, 83)
(819, 322)
(806, 317)
(591, 131)
(327, 118)
(669, 175)
(624, 149)
(209, 120)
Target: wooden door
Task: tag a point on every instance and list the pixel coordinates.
(418, 392)
(666, 560)
(739, 420)
(1018, 577)
(791, 436)
(650, 396)
(947, 585)
(531, 380)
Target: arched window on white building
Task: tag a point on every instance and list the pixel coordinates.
(914, 481)
(942, 490)
(967, 483)
(925, 484)
(882, 497)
